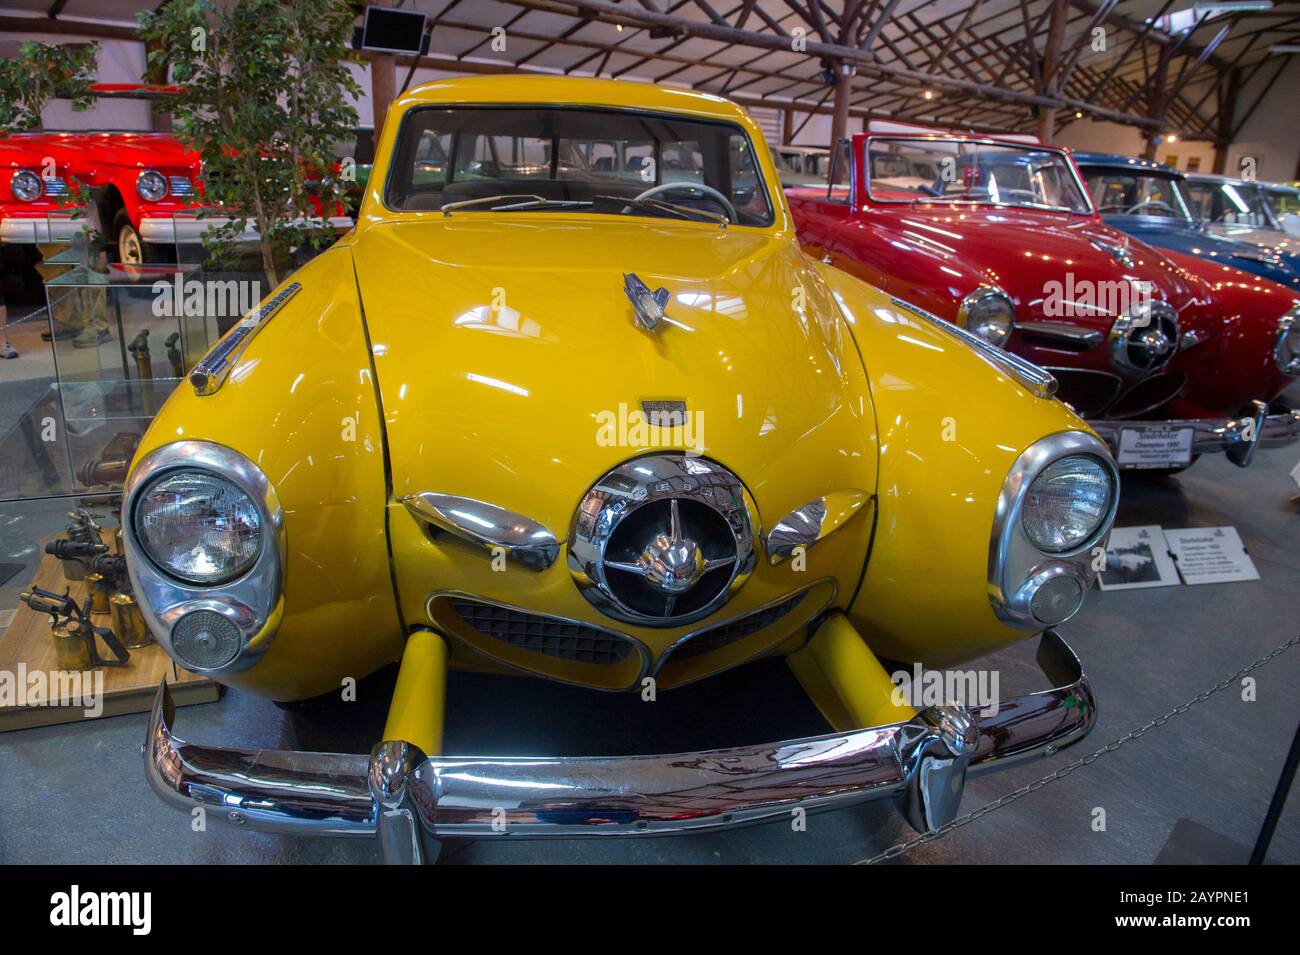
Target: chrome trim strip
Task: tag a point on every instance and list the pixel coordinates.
(1065, 332)
(1014, 561)
(1213, 435)
(486, 525)
(1040, 383)
(923, 762)
(249, 601)
(214, 368)
(646, 656)
(812, 522)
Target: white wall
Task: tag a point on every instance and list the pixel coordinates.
(120, 61)
(1271, 135)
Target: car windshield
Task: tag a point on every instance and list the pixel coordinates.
(1282, 200)
(948, 170)
(1233, 203)
(1134, 193)
(555, 159)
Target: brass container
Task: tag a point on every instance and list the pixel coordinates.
(73, 570)
(70, 646)
(98, 595)
(128, 622)
(117, 542)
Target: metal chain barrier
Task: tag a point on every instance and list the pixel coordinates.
(898, 849)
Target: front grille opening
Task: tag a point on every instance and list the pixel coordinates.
(549, 636)
(1150, 394)
(700, 523)
(728, 633)
(1087, 392)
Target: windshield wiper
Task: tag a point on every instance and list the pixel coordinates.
(514, 203)
(658, 205)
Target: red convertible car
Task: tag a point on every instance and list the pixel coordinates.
(147, 189)
(1168, 356)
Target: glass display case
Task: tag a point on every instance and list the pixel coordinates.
(95, 365)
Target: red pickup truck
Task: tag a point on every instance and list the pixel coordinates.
(147, 187)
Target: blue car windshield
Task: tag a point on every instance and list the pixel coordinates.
(1136, 193)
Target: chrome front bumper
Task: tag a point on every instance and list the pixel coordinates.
(411, 801)
(186, 230)
(1238, 438)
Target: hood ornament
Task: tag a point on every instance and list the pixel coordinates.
(649, 306)
(1121, 253)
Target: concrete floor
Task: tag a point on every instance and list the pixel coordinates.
(76, 794)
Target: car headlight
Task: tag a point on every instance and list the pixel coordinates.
(1286, 352)
(25, 185)
(1067, 503)
(1056, 506)
(151, 185)
(988, 313)
(198, 527)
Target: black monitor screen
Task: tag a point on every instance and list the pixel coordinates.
(395, 31)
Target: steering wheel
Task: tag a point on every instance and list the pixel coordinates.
(707, 191)
(1132, 210)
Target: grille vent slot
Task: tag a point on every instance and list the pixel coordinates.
(549, 636)
(726, 634)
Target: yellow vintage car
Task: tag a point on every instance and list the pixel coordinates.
(571, 402)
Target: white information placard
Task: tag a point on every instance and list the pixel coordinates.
(1210, 555)
(1137, 557)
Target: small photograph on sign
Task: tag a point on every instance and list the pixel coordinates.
(1210, 555)
(1137, 557)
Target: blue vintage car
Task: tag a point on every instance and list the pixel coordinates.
(1148, 201)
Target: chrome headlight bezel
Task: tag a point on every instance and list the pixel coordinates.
(1286, 342)
(151, 185)
(972, 314)
(1019, 568)
(251, 601)
(31, 184)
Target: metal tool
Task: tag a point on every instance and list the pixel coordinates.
(64, 612)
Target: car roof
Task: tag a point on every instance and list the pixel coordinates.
(1117, 160)
(571, 90)
(1212, 177)
(802, 149)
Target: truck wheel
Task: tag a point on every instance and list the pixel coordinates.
(131, 249)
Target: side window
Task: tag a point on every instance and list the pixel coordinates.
(840, 179)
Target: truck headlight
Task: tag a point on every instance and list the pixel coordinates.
(25, 185)
(198, 527)
(988, 313)
(1067, 503)
(1286, 351)
(151, 185)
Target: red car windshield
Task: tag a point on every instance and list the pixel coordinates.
(902, 169)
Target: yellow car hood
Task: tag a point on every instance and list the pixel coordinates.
(505, 347)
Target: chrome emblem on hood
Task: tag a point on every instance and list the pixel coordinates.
(648, 306)
(1122, 254)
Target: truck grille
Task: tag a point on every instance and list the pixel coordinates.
(549, 636)
(180, 186)
(55, 186)
(715, 638)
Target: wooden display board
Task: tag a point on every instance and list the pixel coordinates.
(27, 648)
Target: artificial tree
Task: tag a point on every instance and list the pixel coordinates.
(264, 91)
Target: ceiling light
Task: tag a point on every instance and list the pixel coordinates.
(1231, 6)
(1284, 48)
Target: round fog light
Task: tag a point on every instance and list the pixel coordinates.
(1056, 600)
(205, 640)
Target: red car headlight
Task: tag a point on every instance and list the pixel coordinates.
(25, 185)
